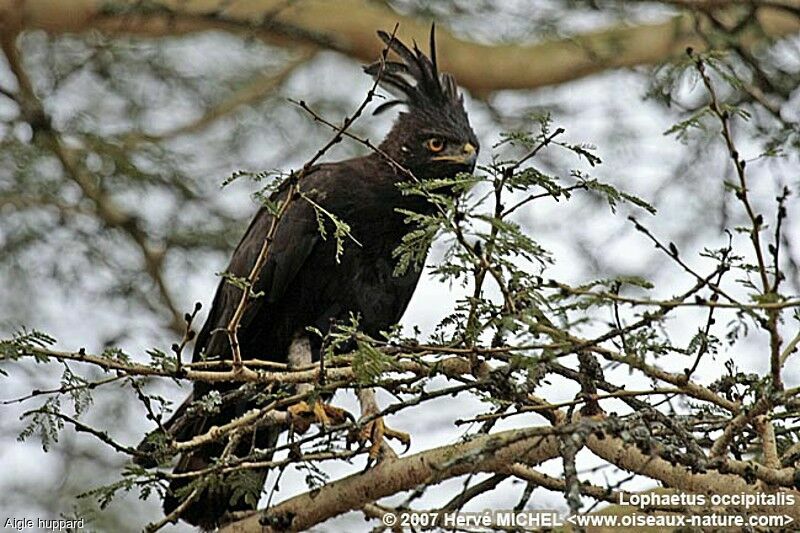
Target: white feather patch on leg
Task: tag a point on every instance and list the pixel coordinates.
(300, 356)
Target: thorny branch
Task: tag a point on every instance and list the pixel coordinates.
(756, 221)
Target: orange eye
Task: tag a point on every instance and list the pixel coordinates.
(434, 144)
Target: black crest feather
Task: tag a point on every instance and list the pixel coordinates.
(416, 80)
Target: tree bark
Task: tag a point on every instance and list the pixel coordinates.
(486, 453)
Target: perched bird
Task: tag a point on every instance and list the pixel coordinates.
(303, 284)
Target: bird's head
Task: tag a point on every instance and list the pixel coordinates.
(432, 137)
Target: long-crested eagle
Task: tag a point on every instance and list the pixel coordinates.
(303, 284)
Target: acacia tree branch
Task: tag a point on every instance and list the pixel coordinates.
(173, 516)
(63, 389)
(80, 427)
(731, 477)
(502, 452)
(679, 380)
(484, 453)
(540, 479)
(756, 221)
(349, 25)
(470, 493)
(450, 367)
(737, 423)
(769, 446)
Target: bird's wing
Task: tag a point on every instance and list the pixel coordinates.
(295, 237)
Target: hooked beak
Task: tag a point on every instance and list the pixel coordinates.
(467, 156)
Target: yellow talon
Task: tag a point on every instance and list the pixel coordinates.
(322, 416)
(302, 415)
(376, 432)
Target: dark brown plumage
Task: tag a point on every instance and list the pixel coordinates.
(302, 283)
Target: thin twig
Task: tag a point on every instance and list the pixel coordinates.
(756, 220)
(175, 514)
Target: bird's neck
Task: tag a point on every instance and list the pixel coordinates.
(394, 165)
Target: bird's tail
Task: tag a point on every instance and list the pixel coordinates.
(221, 495)
(217, 495)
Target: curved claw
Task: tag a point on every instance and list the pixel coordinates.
(376, 432)
(401, 436)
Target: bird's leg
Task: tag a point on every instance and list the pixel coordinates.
(375, 430)
(302, 414)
